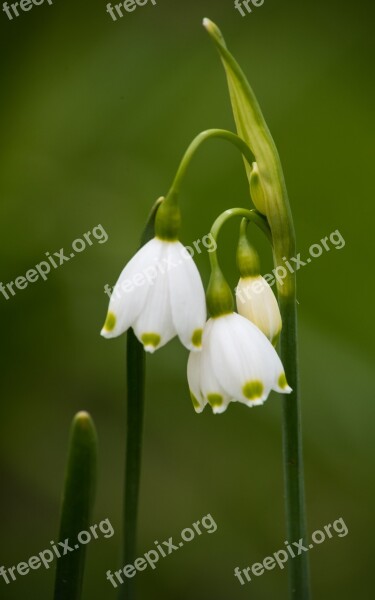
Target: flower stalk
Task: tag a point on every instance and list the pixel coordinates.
(202, 137)
(270, 187)
(135, 384)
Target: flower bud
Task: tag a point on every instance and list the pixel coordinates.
(255, 299)
(257, 303)
(256, 190)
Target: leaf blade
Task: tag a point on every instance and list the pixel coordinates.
(77, 504)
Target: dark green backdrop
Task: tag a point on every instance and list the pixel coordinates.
(94, 118)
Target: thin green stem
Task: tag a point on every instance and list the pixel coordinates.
(135, 365)
(251, 215)
(299, 588)
(299, 584)
(219, 295)
(193, 147)
(136, 372)
(295, 511)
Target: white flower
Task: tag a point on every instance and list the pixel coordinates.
(237, 363)
(256, 301)
(160, 294)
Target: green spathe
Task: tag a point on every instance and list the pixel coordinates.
(252, 128)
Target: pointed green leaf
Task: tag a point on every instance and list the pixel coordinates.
(78, 499)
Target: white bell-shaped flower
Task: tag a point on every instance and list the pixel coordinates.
(256, 302)
(237, 363)
(160, 295)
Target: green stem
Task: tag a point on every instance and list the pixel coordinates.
(299, 588)
(136, 372)
(193, 147)
(292, 436)
(135, 366)
(219, 296)
(251, 215)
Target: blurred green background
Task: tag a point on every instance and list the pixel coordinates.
(95, 116)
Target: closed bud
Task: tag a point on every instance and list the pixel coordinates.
(256, 190)
(257, 303)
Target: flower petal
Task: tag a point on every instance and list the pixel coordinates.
(132, 287)
(194, 377)
(244, 361)
(212, 390)
(187, 296)
(154, 326)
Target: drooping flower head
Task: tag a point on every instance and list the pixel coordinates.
(159, 292)
(237, 362)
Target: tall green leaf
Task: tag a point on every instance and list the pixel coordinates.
(78, 499)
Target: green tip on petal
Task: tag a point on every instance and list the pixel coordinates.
(253, 390)
(110, 322)
(215, 400)
(197, 406)
(196, 338)
(151, 341)
(282, 382)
